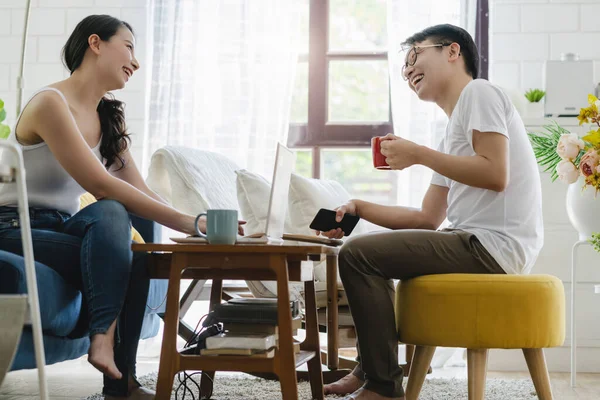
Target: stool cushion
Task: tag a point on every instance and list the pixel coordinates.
(481, 311)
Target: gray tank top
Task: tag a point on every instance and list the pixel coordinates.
(48, 184)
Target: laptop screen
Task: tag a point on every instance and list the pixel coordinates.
(280, 187)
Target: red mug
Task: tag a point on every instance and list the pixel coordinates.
(378, 158)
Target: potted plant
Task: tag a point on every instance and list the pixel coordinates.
(535, 107)
(4, 129)
(575, 161)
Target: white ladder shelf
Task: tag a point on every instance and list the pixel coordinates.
(15, 173)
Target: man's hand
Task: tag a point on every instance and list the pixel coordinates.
(400, 153)
(348, 208)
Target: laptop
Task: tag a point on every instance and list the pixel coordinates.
(278, 205)
(278, 199)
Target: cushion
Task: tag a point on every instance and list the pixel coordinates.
(481, 311)
(308, 196)
(193, 180)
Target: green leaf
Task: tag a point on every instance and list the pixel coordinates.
(534, 95)
(4, 131)
(548, 161)
(544, 148)
(595, 241)
(1, 104)
(2, 114)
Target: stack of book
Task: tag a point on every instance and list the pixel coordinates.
(250, 328)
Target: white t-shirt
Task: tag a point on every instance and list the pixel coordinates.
(508, 224)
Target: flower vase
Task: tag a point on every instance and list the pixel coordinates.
(583, 209)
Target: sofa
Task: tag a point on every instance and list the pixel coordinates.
(60, 306)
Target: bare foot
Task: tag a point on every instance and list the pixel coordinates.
(364, 394)
(348, 384)
(101, 354)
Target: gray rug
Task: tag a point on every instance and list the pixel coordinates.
(244, 387)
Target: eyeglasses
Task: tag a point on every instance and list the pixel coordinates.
(411, 57)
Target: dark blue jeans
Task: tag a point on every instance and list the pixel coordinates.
(92, 251)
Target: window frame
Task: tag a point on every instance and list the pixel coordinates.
(318, 133)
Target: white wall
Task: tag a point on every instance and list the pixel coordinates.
(50, 24)
(525, 33)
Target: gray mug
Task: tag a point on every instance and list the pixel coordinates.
(221, 226)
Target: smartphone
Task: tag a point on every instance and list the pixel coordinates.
(325, 221)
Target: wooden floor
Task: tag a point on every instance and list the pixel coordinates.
(588, 385)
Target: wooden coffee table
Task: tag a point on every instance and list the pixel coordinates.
(279, 262)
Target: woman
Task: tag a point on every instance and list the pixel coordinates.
(74, 139)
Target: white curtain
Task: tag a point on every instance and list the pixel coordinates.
(414, 119)
(421, 122)
(468, 15)
(222, 77)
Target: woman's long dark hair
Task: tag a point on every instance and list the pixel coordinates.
(115, 138)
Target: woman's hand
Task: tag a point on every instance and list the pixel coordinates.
(241, 227)
(201, 225)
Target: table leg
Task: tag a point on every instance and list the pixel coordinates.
(332, 313)
(286, 369)
(208, 377)
(311, 342)
(169, 358)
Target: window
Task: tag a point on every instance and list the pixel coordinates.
(342, 95)
(342, 84)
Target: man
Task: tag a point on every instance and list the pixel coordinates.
(485, 182)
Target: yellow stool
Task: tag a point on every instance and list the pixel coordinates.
(481, 312)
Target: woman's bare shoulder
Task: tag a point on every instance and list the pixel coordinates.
(45, 98)
(39, 107)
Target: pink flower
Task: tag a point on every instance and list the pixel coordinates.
(589, 162)
(569, 146)
(567, 172)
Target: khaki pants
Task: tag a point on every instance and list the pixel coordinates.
(369, 262)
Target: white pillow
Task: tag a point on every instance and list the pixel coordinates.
(253, 198)
(192, 180)
(308, 196)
